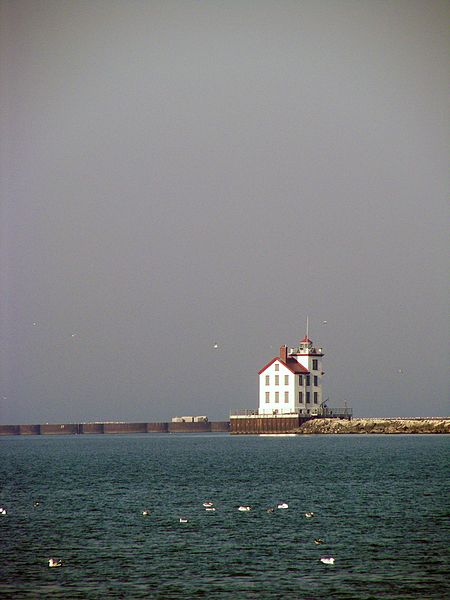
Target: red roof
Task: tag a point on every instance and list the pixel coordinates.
(291, 364)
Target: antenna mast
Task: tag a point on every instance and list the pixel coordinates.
(307, 327)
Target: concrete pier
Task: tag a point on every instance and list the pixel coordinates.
(115, 428)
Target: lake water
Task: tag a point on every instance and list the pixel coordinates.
(380, 504)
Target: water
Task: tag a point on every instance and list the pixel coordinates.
(380, 503)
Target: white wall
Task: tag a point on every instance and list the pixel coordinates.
(292, 387)
(281, 388)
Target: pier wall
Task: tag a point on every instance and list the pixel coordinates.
(59, 429)
(198, 427)
(260, 424)
(220, 426)
(115, 428)
(92, 428)
(125, 428)
(157, 427)
(10, 429)
(28, 429)
(245, 425)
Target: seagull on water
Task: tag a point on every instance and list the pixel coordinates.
(327, 560)
(308, 515)
(208, 504)
(318, 541)
(54, 563)
(283, 505)
(244, 508)
(3, 511)
(145, 513)
(183, 520)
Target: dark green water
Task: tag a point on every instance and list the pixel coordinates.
(381, 504)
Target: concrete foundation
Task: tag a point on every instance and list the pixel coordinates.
(260, 424)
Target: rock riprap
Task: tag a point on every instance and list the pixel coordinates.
(375, 426)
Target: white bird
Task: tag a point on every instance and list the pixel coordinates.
(183, 520)
(244, 508)
(318, 541)
(327, 560)
(208, 504)
(54, 563)
(3, 511)
(145, 513)
(283, 505)
(308, 515)
(324, 322)
(210, 508)
(215, 346)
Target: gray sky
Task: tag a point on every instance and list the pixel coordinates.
(181, 173)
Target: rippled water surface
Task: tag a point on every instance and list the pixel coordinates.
(380, 504)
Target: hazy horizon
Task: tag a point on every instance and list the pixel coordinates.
(179, 174)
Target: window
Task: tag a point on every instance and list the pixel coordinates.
(300, 380)
(307, 397)
(315, 364)
(286, 380)
(267, 397)
(267, 380)
(286, 396)
(316, 380)
(315, 397)
(277, 397)
(277, 380)
(277, 366)
(300, 397)
(307, 380)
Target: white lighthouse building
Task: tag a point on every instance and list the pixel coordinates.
(291, 383)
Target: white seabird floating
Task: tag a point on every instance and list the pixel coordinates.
(283, 505)
(54, 563)
(244, 508)
(327, 560)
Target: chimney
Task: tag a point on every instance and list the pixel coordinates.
(283, 353)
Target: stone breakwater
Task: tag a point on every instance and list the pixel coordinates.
(375, 426)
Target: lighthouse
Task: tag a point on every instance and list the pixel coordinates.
(291, 383)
